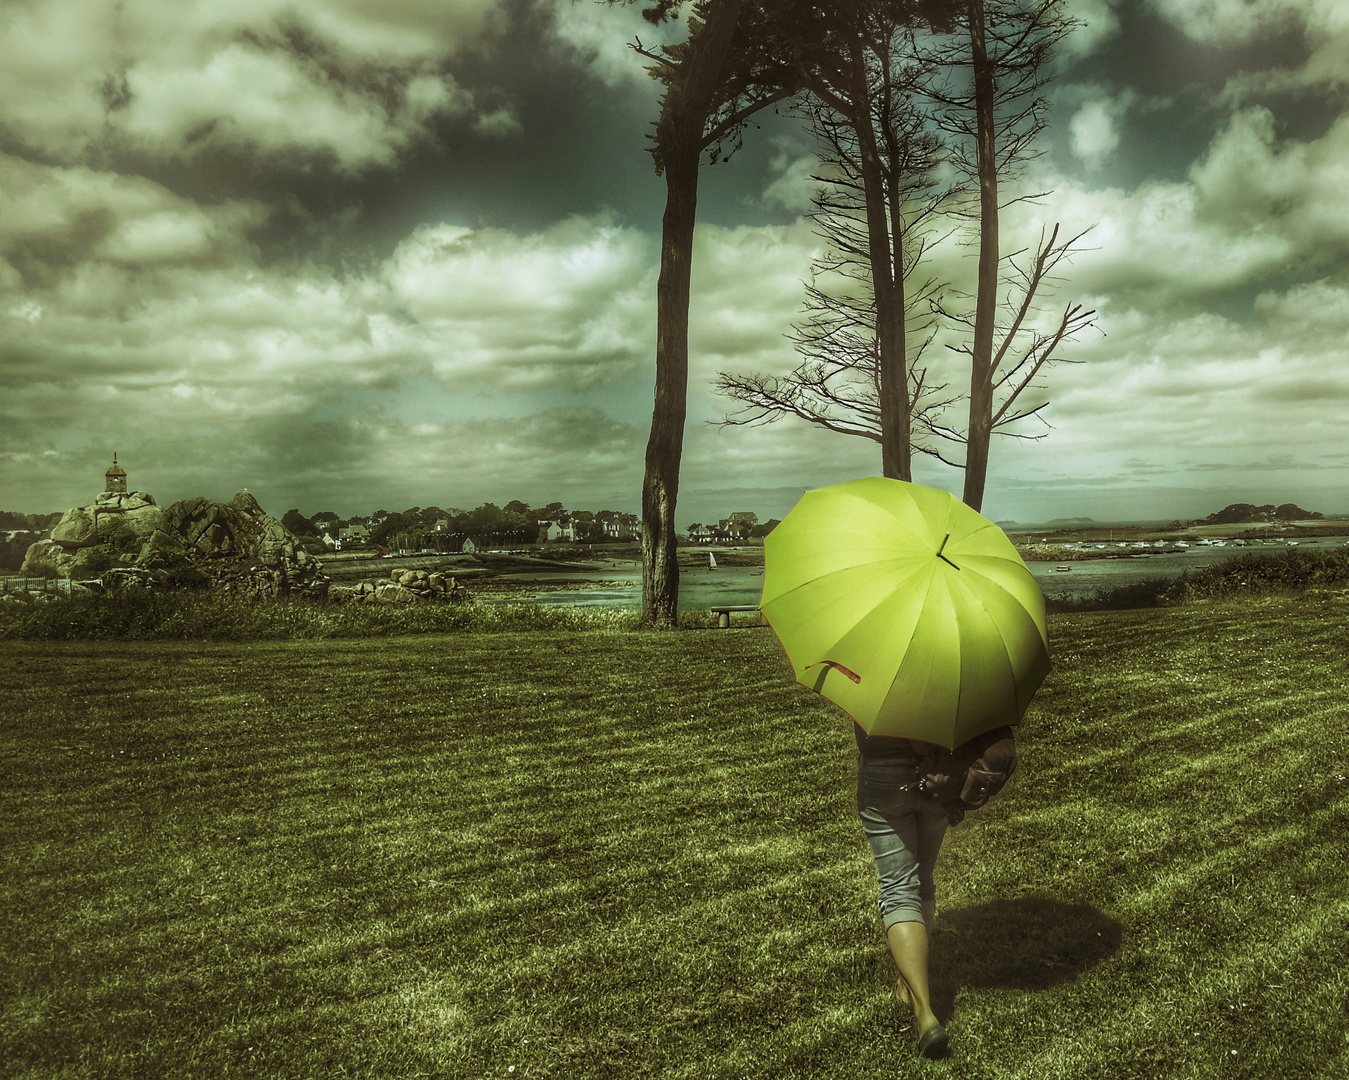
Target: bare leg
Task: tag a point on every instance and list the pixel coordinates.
(902, 991)
(908, 945)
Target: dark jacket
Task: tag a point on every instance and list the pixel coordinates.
(962, 779)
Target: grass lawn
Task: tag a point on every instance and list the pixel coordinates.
(575, 855)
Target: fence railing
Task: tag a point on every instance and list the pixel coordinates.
(61, 586)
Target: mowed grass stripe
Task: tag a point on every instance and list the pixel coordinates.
(624, 854)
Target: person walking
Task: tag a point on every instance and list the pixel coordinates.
(905, 811)
(916, 616)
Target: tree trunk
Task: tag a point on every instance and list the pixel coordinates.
(892, 377)
(900, 401)
(981, 360)
(660, 488)
(680, 131)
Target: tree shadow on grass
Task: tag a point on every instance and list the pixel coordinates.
(1030, 943)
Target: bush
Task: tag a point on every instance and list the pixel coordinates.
(90, 562)
(43, 568)
(139, 615)
(1285, 571)
(1242, 575)
(119, 538)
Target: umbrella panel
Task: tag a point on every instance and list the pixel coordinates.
(965, 640)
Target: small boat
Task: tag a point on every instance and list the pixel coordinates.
(1062, 569)
(711, 561)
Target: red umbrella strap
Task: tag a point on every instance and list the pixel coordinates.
(837, 667)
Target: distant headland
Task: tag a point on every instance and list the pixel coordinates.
(1249, 513)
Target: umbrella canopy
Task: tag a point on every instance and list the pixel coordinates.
(907, 609)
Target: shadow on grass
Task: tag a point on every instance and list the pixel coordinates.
(1031, 943)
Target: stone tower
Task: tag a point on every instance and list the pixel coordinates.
(116, 477)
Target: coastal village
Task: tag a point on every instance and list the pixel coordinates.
(124, 537)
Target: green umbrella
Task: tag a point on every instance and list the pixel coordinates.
(907, 609)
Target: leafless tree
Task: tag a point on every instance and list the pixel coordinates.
(1022, 349)
(991, 107)
(857, 60)
(854, 379)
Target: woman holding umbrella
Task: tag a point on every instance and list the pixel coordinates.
(916, 615)
(905, 819)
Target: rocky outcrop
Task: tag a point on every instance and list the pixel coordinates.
(125, 539)
(403, 587)
(198, 542)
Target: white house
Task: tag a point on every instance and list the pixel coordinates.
(552, 530)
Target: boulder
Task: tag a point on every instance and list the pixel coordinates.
(214, 529)
(44, 558)
(143, 521)
(122, 501)
(396, 594)
(76, 529)
(246, 504)
(164, 551)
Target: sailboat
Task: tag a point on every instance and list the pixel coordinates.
(711, 561)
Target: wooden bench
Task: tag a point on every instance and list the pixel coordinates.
(724, 612)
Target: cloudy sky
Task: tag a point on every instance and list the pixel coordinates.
(364, 254)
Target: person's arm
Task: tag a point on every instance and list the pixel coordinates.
(991, 769)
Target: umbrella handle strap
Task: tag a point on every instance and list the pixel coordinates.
(837, 667)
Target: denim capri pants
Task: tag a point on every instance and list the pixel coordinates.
(904, 829)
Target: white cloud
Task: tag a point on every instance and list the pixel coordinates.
(1252, 206)
(499, 123)
(1100, 24)
(1094, 128)
(1229, 22)
(171, 78)
(1249, 179)
(792, 187)
(59, 219)
(599, 35)
(747, 290)
(571, 304)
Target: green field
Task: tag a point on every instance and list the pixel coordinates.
(614, 854)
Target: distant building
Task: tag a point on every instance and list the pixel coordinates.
(554, 531)
(354, 531)
(738, 525)
(115, 477)
(621, 527)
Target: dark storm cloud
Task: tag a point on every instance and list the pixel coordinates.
(405, 253)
